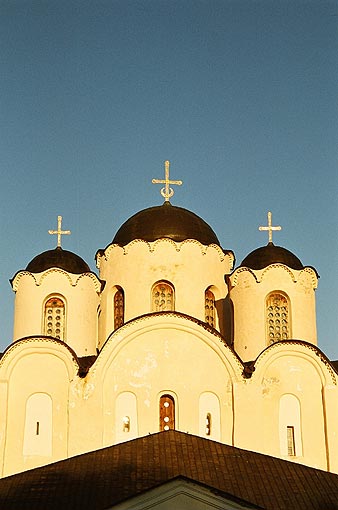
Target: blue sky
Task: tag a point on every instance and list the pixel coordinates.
(240, 96)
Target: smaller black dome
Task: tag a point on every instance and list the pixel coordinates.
(271, 254)
(167, 221)
(58, 257)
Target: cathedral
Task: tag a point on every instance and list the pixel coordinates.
(170, 336)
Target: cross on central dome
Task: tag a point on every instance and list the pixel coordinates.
(166, 192)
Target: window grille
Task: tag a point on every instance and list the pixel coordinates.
(54, 320)
(277, 318)
(162, 297)
(118, 308)
(210, 308)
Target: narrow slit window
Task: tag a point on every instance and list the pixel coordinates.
(290, 434)
(208, 425)
(209, 416)
(126, 424)
(37, 428)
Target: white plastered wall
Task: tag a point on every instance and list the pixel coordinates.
(167, 354)
(286, 368)
(159, 355)
(32, 367)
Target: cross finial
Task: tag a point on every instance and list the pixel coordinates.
(270, 228)
(166, 192)
(59, 232)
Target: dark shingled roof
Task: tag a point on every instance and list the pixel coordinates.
(271, 254)
(58, 257)
(103, 478)
(165, 221)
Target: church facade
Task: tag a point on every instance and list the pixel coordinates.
(170, 334)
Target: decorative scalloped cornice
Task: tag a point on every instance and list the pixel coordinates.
(72, 279)
(15, 281)
(259, 275)
(313, 275)
(176, 245)
(237, 272)
(279, 266)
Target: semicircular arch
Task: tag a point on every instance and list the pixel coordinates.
(297, 349)
(168, 323)
(38, 345)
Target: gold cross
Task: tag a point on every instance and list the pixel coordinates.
(270, 228)
(59, 232)
(166, 192)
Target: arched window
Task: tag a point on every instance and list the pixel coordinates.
(290, 426)
(118, 308)
(277, 317)
(163, 298)
(167, 412)
(54, 317)
(38, 425)
(209, 306)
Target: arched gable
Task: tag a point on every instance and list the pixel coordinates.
(298, 350)
(34, 366)
(166, 353)
(300, 370)
(29, 346)
(169, 321)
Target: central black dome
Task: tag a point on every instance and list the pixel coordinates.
(167, 221)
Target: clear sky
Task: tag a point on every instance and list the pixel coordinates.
(240, 96)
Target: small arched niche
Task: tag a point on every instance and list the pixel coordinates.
(38, 425)
(290, 435)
